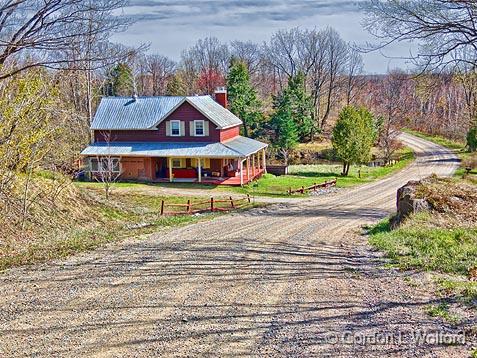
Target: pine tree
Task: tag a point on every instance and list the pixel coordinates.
(120, 81)
(243, 98)
(286, 132)
(300, 104)
(472, 138)
(175, 86)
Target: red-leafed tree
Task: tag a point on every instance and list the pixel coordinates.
(209, 80)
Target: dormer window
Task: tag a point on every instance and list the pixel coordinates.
(175, 128)
(199, 128)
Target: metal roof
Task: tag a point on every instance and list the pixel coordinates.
(126, 113)
(221, 116)
(235, 148)
(244, 145)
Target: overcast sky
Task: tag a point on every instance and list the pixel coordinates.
(170, 26)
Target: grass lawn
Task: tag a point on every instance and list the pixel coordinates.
(307, 175)
(418, 245)
(449, 253)
(278, 186)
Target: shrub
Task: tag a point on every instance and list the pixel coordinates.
(472, 139)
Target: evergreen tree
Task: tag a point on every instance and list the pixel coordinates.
(472, 138)
(354, 136)
(286, 132)
(243, 98)
(300, 104)
(175, 86)
(120, 81)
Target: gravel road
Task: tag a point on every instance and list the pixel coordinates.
(292, 279)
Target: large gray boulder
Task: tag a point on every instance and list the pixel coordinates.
(407, 203)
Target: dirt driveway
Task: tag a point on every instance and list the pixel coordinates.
(294, 279)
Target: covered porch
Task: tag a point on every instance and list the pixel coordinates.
(212, 171)
(235, 162)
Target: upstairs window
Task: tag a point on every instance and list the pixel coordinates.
(199, 128)
(175, 128)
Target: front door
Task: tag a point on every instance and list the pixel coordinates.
(160, 167)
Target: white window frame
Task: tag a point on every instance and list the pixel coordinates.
(175, 160)
(100, 166)
(203, 128)
(179, 128)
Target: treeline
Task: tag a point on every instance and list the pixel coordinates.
(327, 63)
(331, 71)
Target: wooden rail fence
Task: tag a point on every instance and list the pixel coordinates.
(211, 205)
(314, 187)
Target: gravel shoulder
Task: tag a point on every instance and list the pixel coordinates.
(289, 279)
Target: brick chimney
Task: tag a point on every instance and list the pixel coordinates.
(221, 96)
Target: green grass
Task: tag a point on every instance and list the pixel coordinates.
(307, 175)
(442, 310)
(449, 253)
(445, 142)
(459, 149)
(278, 186)
(458, 287)
(419, 246)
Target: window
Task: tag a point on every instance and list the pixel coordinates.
(204, 163)
(104, 165)
(199, 128)
(175, 128)
(176, 163)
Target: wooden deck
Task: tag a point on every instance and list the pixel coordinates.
(232, 181)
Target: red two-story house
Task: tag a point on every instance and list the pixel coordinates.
(186, 139)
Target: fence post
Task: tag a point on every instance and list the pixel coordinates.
(162, 207)
(232, 203)
(188, 207)
(314, 186)
(303, 190)
(212, 205)
(289, 191)
(248, 198)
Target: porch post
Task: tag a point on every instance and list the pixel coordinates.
(253, 165)
(248, 168)
(199, 170)
(241, 172)
(222, 164)
(264, 158)
(170, 169)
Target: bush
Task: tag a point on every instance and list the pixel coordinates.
(472, 139)
(471, 162)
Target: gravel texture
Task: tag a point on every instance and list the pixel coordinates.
(286, 280)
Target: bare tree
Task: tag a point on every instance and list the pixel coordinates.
(157, 70)
(206, 63)
(337, 53)
(354, 79)
(466, 74)
(108, 168)
(248, 52)
(39, 33)
(392, 107)
(441, 27)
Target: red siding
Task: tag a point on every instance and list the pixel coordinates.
(229, 133)
(185, 113)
